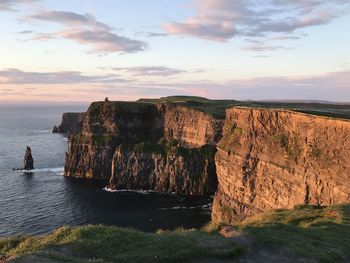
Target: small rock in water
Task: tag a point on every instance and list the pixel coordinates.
(28, 159)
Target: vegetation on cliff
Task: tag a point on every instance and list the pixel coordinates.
(317, 233)
(305, 233)
(113, 244)
(217, 107)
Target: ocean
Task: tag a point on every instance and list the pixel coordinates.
(41, 201)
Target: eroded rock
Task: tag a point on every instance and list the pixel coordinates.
(269, 159)
(28, 159)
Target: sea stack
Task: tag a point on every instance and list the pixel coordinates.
(28, 159)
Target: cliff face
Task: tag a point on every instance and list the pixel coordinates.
(192, 128)
(262, 159)
(164, 168)
(271, 159)
(106, 125)
(141, 146)
(72, 123)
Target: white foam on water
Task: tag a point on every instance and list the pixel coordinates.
(204, 207)
(56, 170)
(43, 131)
(145, 192)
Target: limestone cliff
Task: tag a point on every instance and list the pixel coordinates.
(164, 168)
(191, 127)
(264, 158)
(106, 125)
(72, 123)
(270, 159)
(105, 149)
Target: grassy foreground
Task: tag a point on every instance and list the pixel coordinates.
(321, 234)
(113, 244)
(310, 233)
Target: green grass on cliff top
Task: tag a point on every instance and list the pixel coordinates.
(308, 233)
(321, 234)
(217, 108)
(113, 244)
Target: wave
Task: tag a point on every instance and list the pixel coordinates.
(204, 207)
(42, 131)
(53, 170)
(56, 170)
(107, 189)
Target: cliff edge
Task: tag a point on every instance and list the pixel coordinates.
(270, 159)
(258, 158)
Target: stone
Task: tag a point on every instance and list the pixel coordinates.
(162, 147)
(28, 160)
(271, 159)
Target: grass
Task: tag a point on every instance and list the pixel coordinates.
(217, 108)
(112, 244)
(318, 233)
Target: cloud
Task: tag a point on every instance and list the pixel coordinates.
(86, 30)
(16, 76)
(333, 86)
(222, 20)
(26, 32)
(69, 19)
(7, 5)
(151, 71)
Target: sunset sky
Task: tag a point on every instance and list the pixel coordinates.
(80, 51)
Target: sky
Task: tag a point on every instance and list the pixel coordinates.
(82, 51)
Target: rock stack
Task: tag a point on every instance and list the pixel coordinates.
(28, 160)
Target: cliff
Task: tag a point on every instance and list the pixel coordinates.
(191, 127)
(72, 123)
(106, 125)
(164, 168)
(260, 159)
(153, 146)
(270, 159)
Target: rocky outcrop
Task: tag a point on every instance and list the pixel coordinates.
(28, 159)
(72, 123)
(107, 125)
(138, 145)
(164, 168)
(271, 159)
(262, 159)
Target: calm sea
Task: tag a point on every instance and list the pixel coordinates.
(44, 200)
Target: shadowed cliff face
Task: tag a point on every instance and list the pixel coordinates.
(270, 159)
(136, 145)
(72, 123)
(262, 159)
(106, 125)
(164, 168)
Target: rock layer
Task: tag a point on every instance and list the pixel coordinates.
(106, 125)
(191, 127)
(149, 146)
(164, 168)
(270, 159)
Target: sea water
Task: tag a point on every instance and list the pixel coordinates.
(43, 200)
